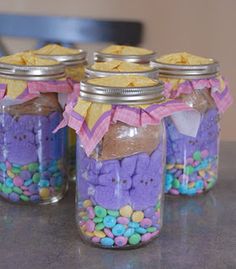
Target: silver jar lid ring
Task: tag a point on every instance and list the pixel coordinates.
(152, 73)
(68, 59)
(187, 71)
(143, 58)
(121, 95)
(39, 72)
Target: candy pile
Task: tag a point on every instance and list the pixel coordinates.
(119, 228)
(192, 162)
(32, 182)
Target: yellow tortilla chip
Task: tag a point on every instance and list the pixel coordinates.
(26, 58)
(126, 50)
(123, 81)
(184, 58)
(120, 66)
(54, 49)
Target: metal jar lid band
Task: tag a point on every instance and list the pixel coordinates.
(104, 57)
(68, 59)
(121, 95)
(90, 72)
(187, 71)
(23, 72)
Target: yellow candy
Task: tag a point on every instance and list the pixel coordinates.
(24, 167)
(169, 166)
(179, 166)
(99, 234)
(89, 234)
(191, 185)
(126, 211)
(82, 214)
(202, 173)
(137, 216)
(87, 203)
(10, 174)
(44, 193)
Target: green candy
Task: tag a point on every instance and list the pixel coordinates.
(17, 190)
(33, 167)
(158, 206)
(24, 198)
(134, 239)
(0, 186)
(188, 170)
(15, 170)
(100, 211)
(175, 183)
(6, 189)
(98, 220)
(113, 213)
(100, 226)
(197, 156)
(151, 229)
(85, 218)
(36, 178)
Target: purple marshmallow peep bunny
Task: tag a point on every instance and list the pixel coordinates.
(87, 174)
(114, 183)
(147, 181)
(20, 144)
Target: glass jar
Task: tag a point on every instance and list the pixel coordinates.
(125, 53)
(75, 62)
(116, 67)
(32, 158)
(192, 136)
(120, 183)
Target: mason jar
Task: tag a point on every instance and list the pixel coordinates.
(119, 195)
(192, 136)
(125, 53)
(32, 158)
(74, 61)
(116, 67)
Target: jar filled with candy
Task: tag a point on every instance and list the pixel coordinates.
(125, 53)
(117, 67)
(120, 159)
(193, 136)
(32, 158)
(74, 61)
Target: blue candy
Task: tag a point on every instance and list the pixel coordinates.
(109, 221)
(129, 232)
(133, 224)
(107, 241)
(140, 230)
(118, 229)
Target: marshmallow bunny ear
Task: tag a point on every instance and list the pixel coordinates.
(128, 165)
(27, 122)
(111, 166)
(142, 163)
(6, 120)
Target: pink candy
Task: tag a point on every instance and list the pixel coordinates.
(121, 241)
(108, 233)
(123, 220)
(18, 181)
(146, 237)
(146, 222)
(91, 213)
(90, 226)
(96, 239)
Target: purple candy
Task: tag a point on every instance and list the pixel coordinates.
(14, 197)
(25, 174)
